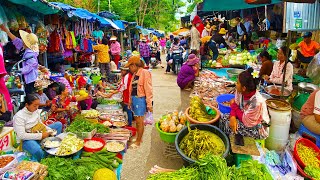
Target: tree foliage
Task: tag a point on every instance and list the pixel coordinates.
(158, 14)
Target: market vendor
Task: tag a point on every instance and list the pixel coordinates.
(189, 71)
(308, 48)
(249, 114)
(310, 113)
(215, 41)
(243, 34)
(45, 103)
(276, 76)
(124, 88)
(29, 128)
(115, 50)
(61, 109)
(101, 93)
(29, 43)
(141, 94)
(267, 64)
(103, 57)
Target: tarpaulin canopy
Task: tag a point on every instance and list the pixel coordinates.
(64, 7)
(112, 23)
(225, 5)
(40, 6)
(108, 15)
(120, 24)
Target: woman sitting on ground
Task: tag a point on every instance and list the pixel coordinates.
(189, 71)
(276, 76)
(249, 114)
(29, 128)
(61, 109)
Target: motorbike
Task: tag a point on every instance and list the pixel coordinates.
(177, 61)
(153, 59)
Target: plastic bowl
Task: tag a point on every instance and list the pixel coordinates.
(206, 127)
(305, 142)
(92, 149)
(132, 129)
(193, 121)
(165, 136)
(223, 98)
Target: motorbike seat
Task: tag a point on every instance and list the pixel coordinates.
(16, 91)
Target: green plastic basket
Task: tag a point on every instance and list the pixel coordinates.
(241, 157)
(300, 100)
(164, 136)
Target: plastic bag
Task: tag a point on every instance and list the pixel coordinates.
(10, 165)
(149, 118)
(313, 70)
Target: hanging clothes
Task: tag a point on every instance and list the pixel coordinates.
(90, 46)
(74, 42)
(54, 42)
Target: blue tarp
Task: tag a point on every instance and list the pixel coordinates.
(64, 7)
(108, 15)
(120, 24)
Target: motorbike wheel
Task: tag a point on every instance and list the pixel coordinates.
(177, 68)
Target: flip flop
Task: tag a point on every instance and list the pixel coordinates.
(134, 146)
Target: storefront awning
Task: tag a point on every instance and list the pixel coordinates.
(40, 6)
(214, 5)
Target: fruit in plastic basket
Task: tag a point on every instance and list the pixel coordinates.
(172, 122)
(104, 174)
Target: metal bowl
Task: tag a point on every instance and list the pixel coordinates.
(307, 87)
(50, 139)
(234, 72)
(286, 92)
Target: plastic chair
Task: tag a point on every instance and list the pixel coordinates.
(304, 132)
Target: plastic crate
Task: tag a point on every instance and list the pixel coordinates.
(238, 158)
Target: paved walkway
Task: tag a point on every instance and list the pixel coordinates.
(167, 97)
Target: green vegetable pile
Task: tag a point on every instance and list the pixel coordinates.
(107, 101)
(251, 169)
(80, 169)
(213, 167)
(198, 110)
(198, 143)
(81, 124)
(314, 172)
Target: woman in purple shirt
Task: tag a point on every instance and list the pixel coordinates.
(188, 72)
(28, 42)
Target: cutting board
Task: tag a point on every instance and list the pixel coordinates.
(249, 147)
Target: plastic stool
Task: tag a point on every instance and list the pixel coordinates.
(304, 132)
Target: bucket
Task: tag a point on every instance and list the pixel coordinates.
(296, 118)
(280, 113)
(223, 98)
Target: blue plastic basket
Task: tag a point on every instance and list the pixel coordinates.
(223, 98)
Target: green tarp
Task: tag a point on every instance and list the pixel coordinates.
(40, 6)
(225, 5)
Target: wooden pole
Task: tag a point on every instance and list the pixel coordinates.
(285, 65)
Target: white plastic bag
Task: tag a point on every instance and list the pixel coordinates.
(12, 164)
(313, 70)
(149, 118)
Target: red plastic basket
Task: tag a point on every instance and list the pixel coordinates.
(132, 129)
(302, 173)
(97, 149)
(305, 142)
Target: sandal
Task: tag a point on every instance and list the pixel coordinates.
(134, 146)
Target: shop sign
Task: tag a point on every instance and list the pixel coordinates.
(297, 14)
(5, 142)
(298, 23)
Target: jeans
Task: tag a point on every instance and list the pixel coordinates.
(33, 146)
(304, 59)
(130, 114)
(215, 53)
(139, 105)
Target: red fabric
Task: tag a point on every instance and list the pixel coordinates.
(126, 94)
(54, 42)
(235, 109)
(200, 27)
(116, 59)
(3, 88)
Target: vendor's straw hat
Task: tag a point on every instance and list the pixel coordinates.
(155, 38)
(113, 38)
(208, 27)
(214, 27)
(223, 31)
(123, 66)
(30, 40)
(192, 60)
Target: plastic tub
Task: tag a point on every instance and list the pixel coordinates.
(207, 127)
(193, 121)
(223, 98)
(296, 118)
(305, 142)
(165, 136)
(92, 149)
